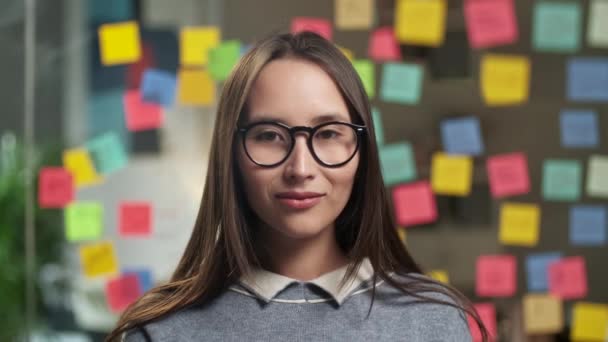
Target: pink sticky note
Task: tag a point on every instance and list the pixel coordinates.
(141, 115)
(135, 219)
(320, 26)
(568, 278)
(487, 313)
(55, 187)
(122, 291)
(496, 276)
(490, 22)
(508, 174)
(414, 204)
(383, 45)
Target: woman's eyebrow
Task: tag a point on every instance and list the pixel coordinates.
(326, 117)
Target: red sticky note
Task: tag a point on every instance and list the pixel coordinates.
(414, 204)
(141, 115)
(320, 26)
(508, 174)
(55, 187)
(135, 219)
(487, 313)
(496, 275)
(122, 291)
(490, 23)
(568, 278)
(383, 45)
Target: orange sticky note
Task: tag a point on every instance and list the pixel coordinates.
(354, 14)
(79, 163)
(490, 23)
(195, 42)
(589, 322)
(543, 314)
(119, 43)
(414, 204)
(568, 278)
(383, 45)
(440, 275)
(122, 291)
(98, 259)
(496, 275)
(505, 79)
(55, 187)
(140, 115)
(320, 26)
(451, 174)
(135, 219)
(420, 22)
(195, 88)
(487, 313)
(519, 224)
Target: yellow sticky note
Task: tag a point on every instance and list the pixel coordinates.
(519, 224)
(505, 79)
(354, 14)
(420, 22)
(119, 43)
(402, 234)
(589, 322)
(98, 259)
(440, 275)
(79, 163)
(543, 313)
(348, 53)
(195, 87)
(195, 43)
(451, 174)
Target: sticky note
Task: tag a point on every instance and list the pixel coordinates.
(108, 153)
(505, 79)
(579, 128)
(354, 14)
(568, 278)
(119, 43)
(158, 86)
(537, 270)
(365, 70)
(195, 88)
(139, 115)
(105, 112)
(109, 10)
(562, 179)
(383, 46)
(451, 174)
(587, 79)
(462, 136)
(597, 182)
(78, 162)
(496, 275)
(378, 126)
(508, 174)
(122, 291)
(397, 163)
(135, 219)
(487, 313)
(490, 23)
(597, 27)
(589, 321)
(319, 26)
(55, 187)
(543, 314)
(144, 276)
(519, 224)
(402, 234)
(401, 83)
(414, 204)
(83, 221)
(347, 52)
(557, 26)
(420, 22)
(98, 259)
(223, 58)
(588, 225)
(195, 42)
(440, 275)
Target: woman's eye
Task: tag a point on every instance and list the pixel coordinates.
(328, 134)
(267, 136)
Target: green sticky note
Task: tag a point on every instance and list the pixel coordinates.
(401, 83)
(597, 176)
(397, 163)
(378, 128)
(83, 221)
(108, 153)
(557, 26)
(365, 69)
(562, 180)
(223, 58)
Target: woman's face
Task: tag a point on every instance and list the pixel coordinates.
(296, 92)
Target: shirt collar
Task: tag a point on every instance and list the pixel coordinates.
(266, 285)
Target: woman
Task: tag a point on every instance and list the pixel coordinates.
(295, 238)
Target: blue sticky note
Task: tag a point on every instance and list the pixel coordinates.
(105, 114)
(401, 83)
(562, 179)
(107, 152)
(579, 128)
(462, 136)
(158, 86)
(397, 163)
(378, 127)
(587, 79)
(588, 224)
(537, 265)
(145, 277)
(557, 26)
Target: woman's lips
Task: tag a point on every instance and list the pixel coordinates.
(304, 203)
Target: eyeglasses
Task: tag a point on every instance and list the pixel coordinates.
(332, 144)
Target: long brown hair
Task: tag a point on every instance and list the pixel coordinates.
(221, 248)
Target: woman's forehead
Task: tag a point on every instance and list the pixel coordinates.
(310, 119)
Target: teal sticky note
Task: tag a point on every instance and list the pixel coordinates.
(365, 70)
(223, 58)
(83, 221)
(397, 163)
(597, 176)
(378, 127)
(562, 180)
(401, 83)
(105, 112)
(557, 26)
(108, 153)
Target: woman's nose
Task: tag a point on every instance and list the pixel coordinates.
(300, 163)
